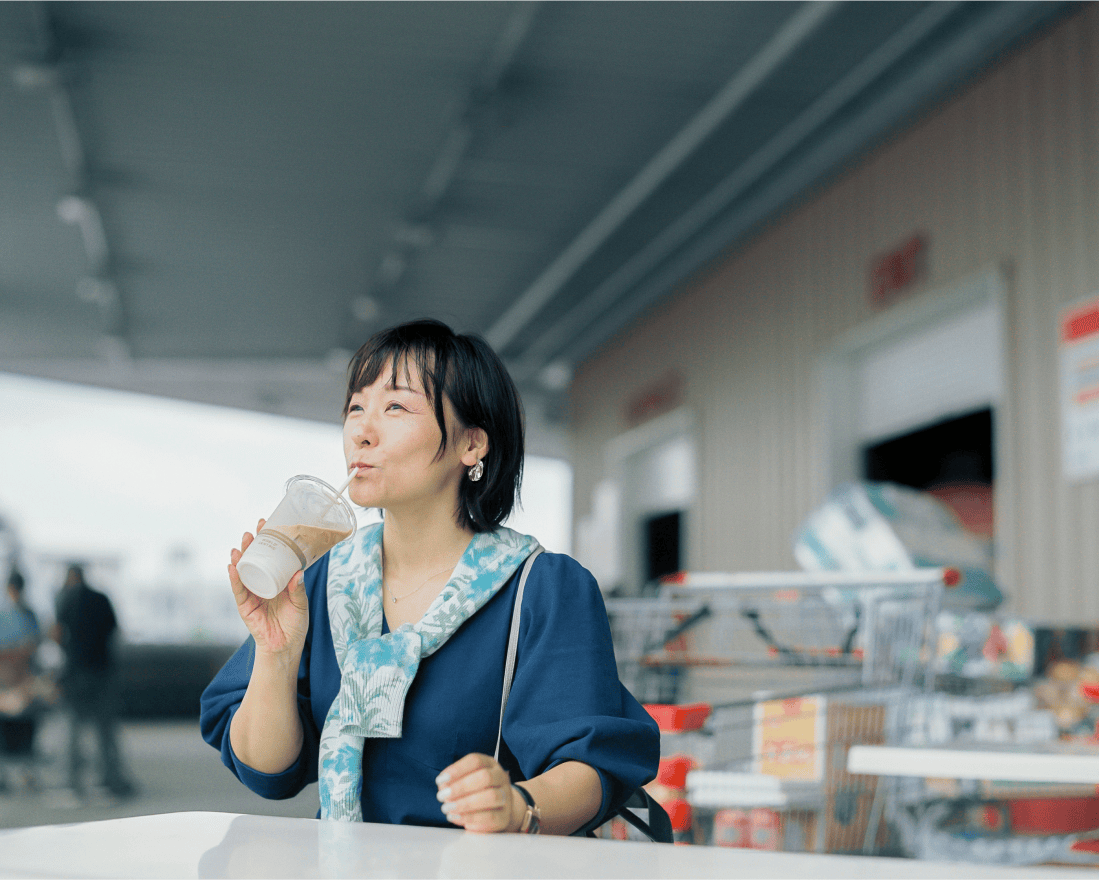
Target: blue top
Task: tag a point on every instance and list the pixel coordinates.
(566, 702)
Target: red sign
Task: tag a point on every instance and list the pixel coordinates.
(662, 396)
(892, 272)
(1081, 322)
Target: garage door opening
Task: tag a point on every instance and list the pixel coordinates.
(952, 460)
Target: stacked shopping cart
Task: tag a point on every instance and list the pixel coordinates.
(784, 672)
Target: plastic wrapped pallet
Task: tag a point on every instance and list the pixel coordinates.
(887, 527)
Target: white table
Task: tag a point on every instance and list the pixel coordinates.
(232, 845)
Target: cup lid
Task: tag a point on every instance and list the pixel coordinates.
(338, 500)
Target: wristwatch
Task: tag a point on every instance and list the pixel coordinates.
(532, 819)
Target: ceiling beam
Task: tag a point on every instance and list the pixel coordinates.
(789, 38)
(745, 175)
(453, 147)
(939, 69)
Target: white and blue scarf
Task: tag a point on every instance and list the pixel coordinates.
(377, 670)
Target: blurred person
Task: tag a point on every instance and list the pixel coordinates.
(20, 636)
(85, 629)
(378, 671)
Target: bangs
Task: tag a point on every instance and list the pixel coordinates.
(367, 370)
(397, 351)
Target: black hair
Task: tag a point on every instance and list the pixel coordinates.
(463, 369)
(16, 581)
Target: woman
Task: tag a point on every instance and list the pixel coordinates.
(378, 671)
(18, 684)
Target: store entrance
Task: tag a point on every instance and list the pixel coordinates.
(662, 536)
(952, 460)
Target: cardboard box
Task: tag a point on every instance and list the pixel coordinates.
(849, 797)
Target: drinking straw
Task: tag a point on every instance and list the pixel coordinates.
(340, 490)
(347, 482)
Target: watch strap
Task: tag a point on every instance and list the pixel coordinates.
(532, 819)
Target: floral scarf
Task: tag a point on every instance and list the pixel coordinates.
(377, 670)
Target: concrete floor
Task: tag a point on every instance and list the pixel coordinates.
(175, 771)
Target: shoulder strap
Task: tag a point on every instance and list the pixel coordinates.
(659, 826)
(513, 644)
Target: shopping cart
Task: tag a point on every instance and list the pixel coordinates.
(797, 667)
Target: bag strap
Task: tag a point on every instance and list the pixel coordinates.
(513, 645)
(659, 827)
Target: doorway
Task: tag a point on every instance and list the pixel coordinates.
(925, 363)
(654, 466)
(951, 460)
(662, 536)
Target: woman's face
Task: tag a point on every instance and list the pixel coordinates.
(390, 434)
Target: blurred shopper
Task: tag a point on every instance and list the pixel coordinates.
(85, 628)
(20, 636)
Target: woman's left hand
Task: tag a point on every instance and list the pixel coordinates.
(476, 794)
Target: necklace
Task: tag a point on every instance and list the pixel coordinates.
(394, 597)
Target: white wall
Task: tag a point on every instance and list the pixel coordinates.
(1004, 177)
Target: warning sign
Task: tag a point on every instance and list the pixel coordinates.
(1080, 390)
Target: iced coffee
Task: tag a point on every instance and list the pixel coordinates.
(311, 519)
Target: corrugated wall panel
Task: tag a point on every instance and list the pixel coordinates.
(1006, 175)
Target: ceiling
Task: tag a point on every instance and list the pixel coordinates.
(220, 201)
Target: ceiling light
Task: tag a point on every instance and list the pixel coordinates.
(74, 209)
(30, 77)
(365, 309)
(556, 376)
(392, 268)
(81, 211)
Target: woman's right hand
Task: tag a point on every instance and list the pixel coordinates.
(278, 625)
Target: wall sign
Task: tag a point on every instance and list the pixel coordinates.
(894, 272)
(1080, 391)
(663, 395)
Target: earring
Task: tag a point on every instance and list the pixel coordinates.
(477, 471)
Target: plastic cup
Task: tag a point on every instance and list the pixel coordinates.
(311, 519)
